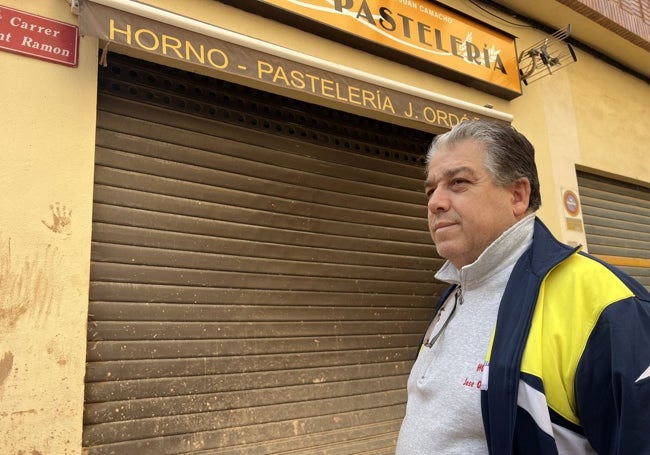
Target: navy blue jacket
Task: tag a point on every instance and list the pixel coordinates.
(569, 362)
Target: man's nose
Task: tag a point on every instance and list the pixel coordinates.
(438, 201)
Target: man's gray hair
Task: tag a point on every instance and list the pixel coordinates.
(509, 155)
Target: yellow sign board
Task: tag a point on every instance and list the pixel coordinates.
(445, 41)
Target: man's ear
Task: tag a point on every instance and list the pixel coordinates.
(520, 196)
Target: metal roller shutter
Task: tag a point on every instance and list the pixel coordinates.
(261, 271)
(616, 217)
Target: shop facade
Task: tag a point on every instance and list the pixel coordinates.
(214, 231)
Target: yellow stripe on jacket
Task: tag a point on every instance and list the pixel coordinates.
(570, 301)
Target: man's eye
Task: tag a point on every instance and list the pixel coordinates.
(458, 182)
(430, 191)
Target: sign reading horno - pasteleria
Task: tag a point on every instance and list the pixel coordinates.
(38, 37)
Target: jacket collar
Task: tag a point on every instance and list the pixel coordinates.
(547, 251)
(499, 402)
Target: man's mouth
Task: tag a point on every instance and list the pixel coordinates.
(438, 225)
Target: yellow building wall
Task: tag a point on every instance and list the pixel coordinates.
(590, 116)
(613, 111)
(47, 128)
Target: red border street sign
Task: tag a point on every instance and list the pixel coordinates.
(38, 37)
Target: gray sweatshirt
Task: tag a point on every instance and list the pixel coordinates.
(443, 411)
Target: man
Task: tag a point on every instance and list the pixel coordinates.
(536, 348)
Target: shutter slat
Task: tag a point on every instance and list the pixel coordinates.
(202, 243)
(166, 349)
(111, 374)
(205, 384)
(135, 311)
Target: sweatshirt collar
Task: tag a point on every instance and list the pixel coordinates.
(499, 255)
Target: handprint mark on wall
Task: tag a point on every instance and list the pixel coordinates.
(61, 219)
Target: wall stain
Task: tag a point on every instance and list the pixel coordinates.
(26, 286)
(29, 284)
(6, 363)
(61, 219)
(52, 353)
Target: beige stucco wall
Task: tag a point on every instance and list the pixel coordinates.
(47, 130)
(589, 114)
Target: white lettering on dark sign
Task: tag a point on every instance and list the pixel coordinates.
(39, 37)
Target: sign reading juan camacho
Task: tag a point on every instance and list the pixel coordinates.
(38, 37)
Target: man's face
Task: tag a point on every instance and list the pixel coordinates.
(466, 210)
